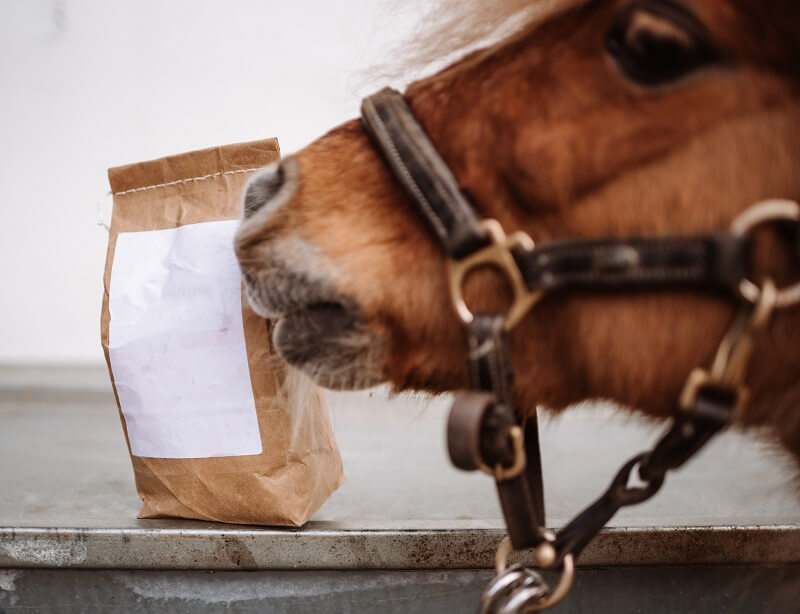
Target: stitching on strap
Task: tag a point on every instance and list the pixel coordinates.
(189, 180)
(401, 168)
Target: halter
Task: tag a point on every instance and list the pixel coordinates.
(485, 431)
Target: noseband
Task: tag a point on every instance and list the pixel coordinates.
(485, 430)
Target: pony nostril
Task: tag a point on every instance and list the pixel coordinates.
(263, 188)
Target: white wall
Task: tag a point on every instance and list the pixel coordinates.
(89, 84)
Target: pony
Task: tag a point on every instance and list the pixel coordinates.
(585, 119)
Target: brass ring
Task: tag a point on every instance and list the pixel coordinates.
(500, 473)
(762, 213)
(498, 255)
(785, 297)
(544, 554)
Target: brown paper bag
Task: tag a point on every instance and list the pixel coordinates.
(218, 428)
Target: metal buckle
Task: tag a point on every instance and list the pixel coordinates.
(498, 254)
(698, 379)
(500, 473)
(776, 210)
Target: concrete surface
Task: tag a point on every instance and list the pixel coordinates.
(67, 497)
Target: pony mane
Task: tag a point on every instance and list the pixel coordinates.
(449, 29)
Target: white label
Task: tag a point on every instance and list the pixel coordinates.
(176, 342)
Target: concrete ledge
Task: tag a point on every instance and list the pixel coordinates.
(255, 549)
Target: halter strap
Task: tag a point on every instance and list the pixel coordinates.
(484, 430)
(713, 262)
(422, 173)
(480, 426)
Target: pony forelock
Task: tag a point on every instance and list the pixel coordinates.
(449, 29)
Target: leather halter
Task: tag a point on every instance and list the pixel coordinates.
(485, 431)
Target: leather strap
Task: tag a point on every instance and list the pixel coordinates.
(478, 436)
(490, 367)
(711, 262)
(479, 426)
(488, 357)
(711, 412)
(522, 497)
(705, 262)
(691, 430)
(422, 173)
(534, 472)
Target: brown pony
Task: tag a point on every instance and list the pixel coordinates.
(606, 118)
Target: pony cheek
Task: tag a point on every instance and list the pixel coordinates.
(544, 176)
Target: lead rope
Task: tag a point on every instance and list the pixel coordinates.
(484, 431)
(710, 401)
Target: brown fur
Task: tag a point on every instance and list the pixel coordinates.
(546, 135)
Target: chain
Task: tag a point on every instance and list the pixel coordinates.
(710, 402)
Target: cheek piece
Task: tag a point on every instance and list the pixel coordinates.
(486, 431)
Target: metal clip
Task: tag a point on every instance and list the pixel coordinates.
(517, 589)
(506, 585)
(520, 590)
(733, 355)
(498, 254)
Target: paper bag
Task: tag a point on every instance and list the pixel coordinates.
(217, 426)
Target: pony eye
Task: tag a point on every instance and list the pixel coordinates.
(657, 44)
